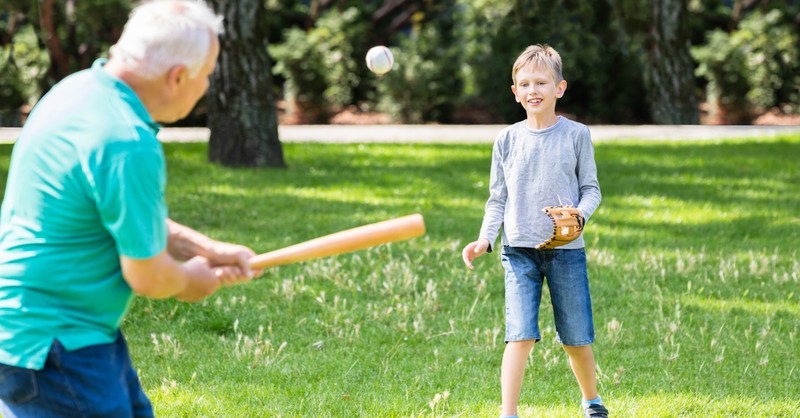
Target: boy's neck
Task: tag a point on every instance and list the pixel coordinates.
(537, 122)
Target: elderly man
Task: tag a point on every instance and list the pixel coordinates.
(84, 221)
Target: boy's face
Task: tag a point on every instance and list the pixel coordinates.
(537, 91)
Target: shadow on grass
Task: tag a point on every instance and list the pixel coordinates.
(729, 195)
(332, 187)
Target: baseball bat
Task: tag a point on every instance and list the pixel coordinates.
(346, 241)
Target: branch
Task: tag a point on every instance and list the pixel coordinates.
(59, 59)
(388, 7)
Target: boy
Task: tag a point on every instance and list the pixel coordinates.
(545, 160)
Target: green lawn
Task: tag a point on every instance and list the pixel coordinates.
(693, 263)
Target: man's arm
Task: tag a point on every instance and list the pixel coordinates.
(209, 264)
(184, 243)
(163, 277)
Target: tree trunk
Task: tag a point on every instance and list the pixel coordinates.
(660, 27)
(242, 113)
(60, 61)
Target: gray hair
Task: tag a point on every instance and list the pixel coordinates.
(161, 34)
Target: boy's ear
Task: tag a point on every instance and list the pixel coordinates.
(561, 88)
(514, 90)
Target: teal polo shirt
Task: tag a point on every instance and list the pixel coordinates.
(85, 186)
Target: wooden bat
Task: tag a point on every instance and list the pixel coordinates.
(346, 241)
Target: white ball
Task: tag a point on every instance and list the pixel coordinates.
(380, 59)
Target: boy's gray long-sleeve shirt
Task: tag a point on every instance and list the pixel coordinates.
(532, 169)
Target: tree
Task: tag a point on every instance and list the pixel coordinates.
(242, 113)
(659, 28)
(76, 33)
(43, 41)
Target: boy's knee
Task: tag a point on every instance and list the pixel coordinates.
(521, 345)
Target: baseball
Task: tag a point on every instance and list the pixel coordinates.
(379, 59)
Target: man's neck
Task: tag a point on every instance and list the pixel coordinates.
(146, 90)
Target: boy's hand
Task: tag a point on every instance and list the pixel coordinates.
(474, 249)
(567, 226)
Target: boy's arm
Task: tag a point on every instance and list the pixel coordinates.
(495, 205)
(588, 185)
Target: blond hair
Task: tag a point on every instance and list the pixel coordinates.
(540, 56)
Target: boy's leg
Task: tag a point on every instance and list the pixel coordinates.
(572, 305)
(515, 358)
(523, 293)
(581, 360)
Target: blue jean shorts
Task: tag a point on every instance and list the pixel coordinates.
(565, 273)
(96, 381)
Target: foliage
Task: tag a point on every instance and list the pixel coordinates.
(603, 75)
(11, 96)
(83, 33)
(18, 58)
(319, 66)
(754, 68)
(452, 56)
(22, 65)
(281, 15)
(426, 79)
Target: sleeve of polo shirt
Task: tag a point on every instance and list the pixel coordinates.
(132, 205)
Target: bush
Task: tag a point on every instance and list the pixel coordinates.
(604, 76)
(425, 83)
(751, 69)
(319, 65)
(22, 65)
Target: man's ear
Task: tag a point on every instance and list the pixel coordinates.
(561, 88)
(176, 77)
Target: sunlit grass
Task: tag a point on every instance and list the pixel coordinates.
(693, 262)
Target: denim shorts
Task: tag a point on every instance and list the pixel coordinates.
(96, 381)
(565, 273)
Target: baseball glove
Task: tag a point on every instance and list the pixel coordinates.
(567, 226)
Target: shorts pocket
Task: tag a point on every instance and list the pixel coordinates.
(17, 384)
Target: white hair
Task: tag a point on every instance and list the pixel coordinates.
(161, 34)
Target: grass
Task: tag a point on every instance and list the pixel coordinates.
(693, 259)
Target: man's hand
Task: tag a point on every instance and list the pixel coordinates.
(473, 250)
(232, 262)
(202, 280)
(232, 275)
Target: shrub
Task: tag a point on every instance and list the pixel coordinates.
(751, 69)
(319, 66)
(425, 82)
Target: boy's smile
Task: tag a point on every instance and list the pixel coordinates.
(537, 92)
